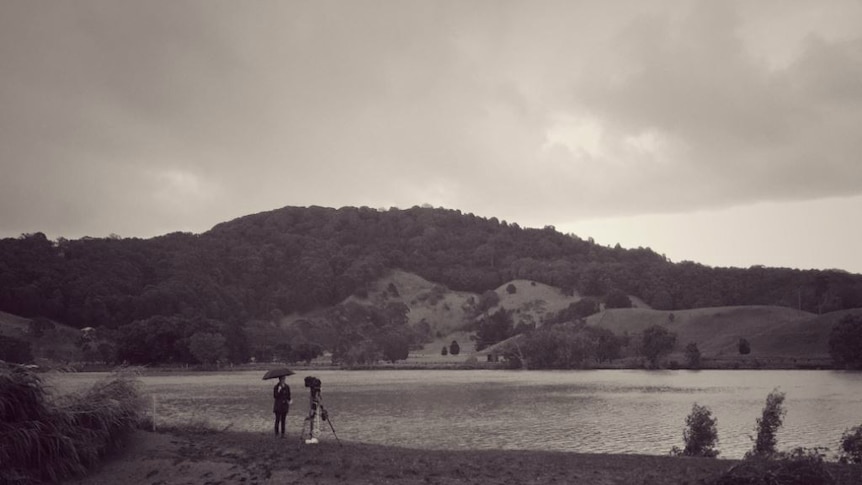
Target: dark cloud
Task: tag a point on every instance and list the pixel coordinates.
(158, 116)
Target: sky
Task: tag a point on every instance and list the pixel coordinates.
(726, 133)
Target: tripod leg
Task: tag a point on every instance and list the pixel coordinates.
(333, 432)
(329, 420)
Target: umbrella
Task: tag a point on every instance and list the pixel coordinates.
(282, 371)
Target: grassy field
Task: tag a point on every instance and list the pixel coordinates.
(780, 337)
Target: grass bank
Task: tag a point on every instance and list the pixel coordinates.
(195, 457)
(48, 440)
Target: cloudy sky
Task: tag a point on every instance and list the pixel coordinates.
(727, 133)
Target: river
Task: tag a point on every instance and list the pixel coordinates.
(595, 411)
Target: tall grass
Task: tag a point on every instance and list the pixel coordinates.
(50, 440)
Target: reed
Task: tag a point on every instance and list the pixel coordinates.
(44, 439)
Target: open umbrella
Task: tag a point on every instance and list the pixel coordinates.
(281, 371)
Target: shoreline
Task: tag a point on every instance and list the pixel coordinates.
(710, 364)
(188, 457)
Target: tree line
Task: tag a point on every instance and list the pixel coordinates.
(294, 260)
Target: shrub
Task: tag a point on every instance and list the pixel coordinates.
(15, 350)
(617, 299)
(851, 445)
(53, 441)
(511, 289)
(700, 435)
(767, 426)
(657, 342)
(445, 351)
(845, 342)
(744, 347)
(692, 356)
(802, 466)
(454, 348)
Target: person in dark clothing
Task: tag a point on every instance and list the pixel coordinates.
(281, 406)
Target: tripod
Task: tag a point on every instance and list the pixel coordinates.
(311, 425)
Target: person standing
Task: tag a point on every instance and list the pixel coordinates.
(281, 406)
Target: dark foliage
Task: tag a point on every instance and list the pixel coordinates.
(15, 351)
(692, 356)
(297, 259)
(851, 445)
(744, 346)
(845, 342)
(657, 342)
(767, 427)
(700, 434)
(454, 348)
(617, 299)
(47, 440)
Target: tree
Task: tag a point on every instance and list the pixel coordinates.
(845, 342)
(394, 346)
(617, 299)
(306, 352)
(454, 348)
(207, 347)
(444, 351)
(559, 347)
(744, 347)
(495, 328)
(38, 326)
(656, 343)
(15, 350)
(700, 435)
(362, 352)
(607, 344)
(511, 289)
(767, 426)
(692, 356)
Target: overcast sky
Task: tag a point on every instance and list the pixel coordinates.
(727, 133)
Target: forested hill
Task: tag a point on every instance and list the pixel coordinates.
(298, 259)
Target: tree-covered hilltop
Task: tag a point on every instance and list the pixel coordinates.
(260, 267)
(297, 259)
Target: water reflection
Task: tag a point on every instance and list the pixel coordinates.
(587, 411)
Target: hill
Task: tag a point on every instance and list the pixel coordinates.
(51, 341)
(256, 270)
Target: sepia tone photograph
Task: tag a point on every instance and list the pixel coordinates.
(430, 242)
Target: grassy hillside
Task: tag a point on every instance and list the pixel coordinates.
(776, 334)
(56, 344)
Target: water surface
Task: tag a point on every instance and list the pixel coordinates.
(601, 411)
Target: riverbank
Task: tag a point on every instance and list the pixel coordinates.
(189, 457)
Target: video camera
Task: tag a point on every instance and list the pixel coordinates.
(312, 382)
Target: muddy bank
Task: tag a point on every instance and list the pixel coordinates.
(257, 458)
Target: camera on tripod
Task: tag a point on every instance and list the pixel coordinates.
(312, 382)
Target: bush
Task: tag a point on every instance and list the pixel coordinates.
(656, 342)
(15, 350)
(767, 426)
(851, 445)
(700, 435)
(692, 356)
(454, 348)
(845, 342)
(802, 466)
(53, 441)
(744, 347)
